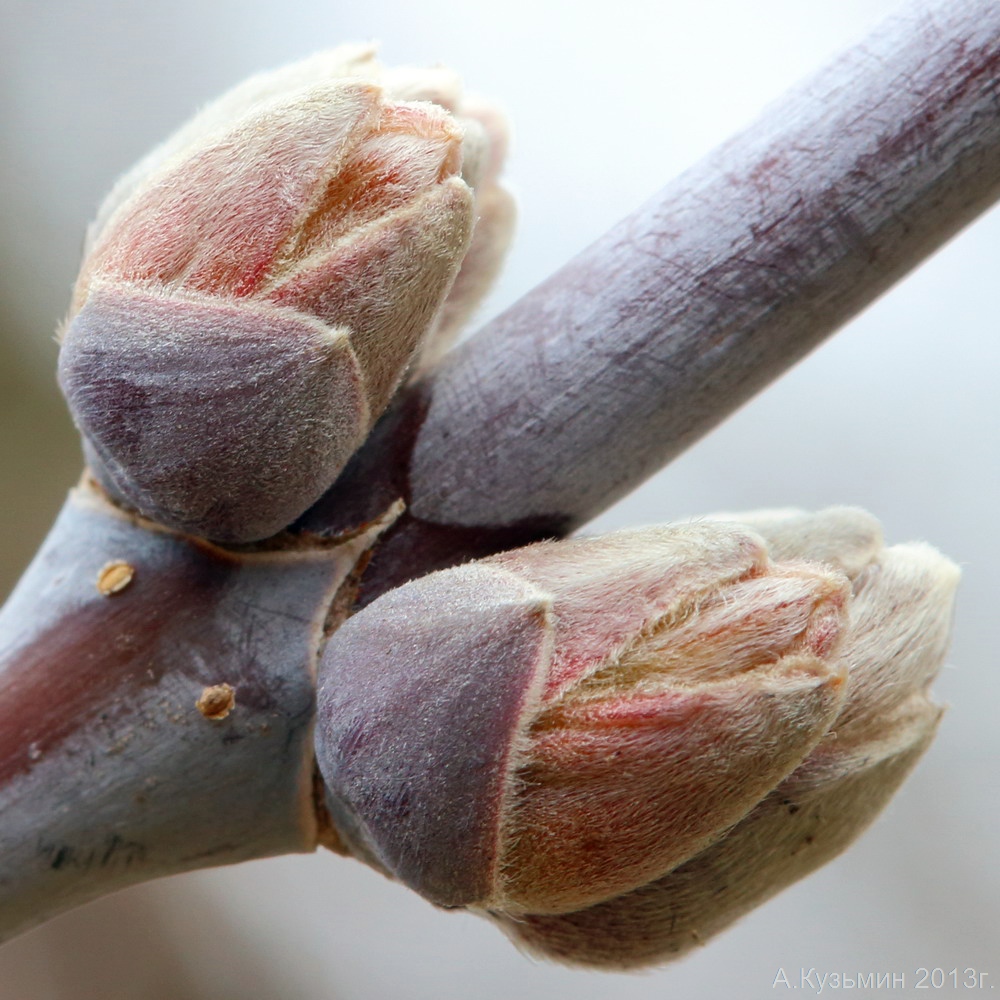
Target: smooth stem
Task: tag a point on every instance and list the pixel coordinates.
(157, 697)
(647, 340)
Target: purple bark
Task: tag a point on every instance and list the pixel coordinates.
(652, 336)
(109, 773)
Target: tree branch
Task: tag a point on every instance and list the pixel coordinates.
(116, 764)
(113, 766)
(656, 333)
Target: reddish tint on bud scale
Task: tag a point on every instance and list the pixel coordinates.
(894, 643)
(254, 290)
(616, 746)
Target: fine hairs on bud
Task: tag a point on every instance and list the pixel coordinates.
(254, 291)
(617, 746)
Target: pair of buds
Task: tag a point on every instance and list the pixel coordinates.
(613, 746)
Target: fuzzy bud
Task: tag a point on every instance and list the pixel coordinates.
(616, 746)
(253, 292)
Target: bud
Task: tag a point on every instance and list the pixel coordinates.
(617, 746)
(554, 730)
(254, 290)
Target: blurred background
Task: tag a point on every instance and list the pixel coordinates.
(896, 414)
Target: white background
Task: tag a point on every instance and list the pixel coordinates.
(897, 414)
